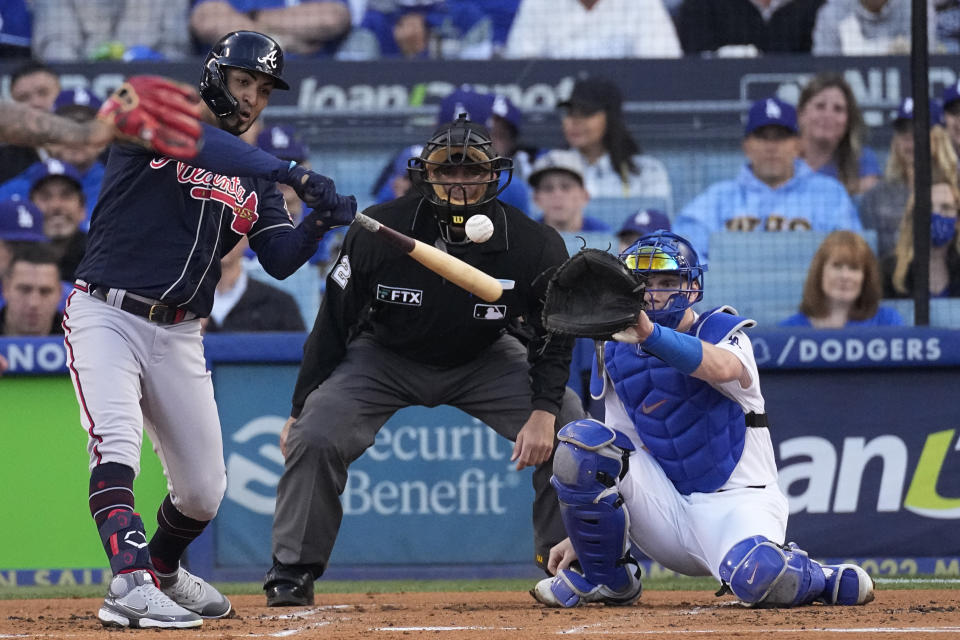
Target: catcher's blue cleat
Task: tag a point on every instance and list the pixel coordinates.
(569, 588)
(846, 584)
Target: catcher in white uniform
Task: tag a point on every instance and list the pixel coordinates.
(683, 468)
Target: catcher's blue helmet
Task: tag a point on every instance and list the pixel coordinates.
(666, 252)
(244, 50)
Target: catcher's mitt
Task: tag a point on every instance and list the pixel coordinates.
(593, 295)
(156, 113)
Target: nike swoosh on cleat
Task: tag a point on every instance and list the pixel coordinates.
(652, 407)
(754, 574)
(137, 610)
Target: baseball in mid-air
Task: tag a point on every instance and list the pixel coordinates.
(479, 228)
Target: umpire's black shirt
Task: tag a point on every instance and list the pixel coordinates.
(375, 287)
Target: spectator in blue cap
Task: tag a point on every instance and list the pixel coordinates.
(775, 190)
(20, 223)
(881, 208)
(641, 223)
(57, 192)
(284, 142)
(79, 100)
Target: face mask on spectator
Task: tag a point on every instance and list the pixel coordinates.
(942, 229)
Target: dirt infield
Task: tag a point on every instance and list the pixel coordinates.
(502, 615)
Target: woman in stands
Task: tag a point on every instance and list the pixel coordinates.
(843, 287)
(881, 208)
(944, 239)
(831, 134)
(593, 125)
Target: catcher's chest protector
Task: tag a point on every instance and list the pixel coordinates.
(694, 432)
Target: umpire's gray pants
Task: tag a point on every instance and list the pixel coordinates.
(341, 418)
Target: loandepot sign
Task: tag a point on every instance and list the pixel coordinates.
(826, 475)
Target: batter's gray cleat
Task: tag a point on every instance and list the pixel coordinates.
(569, 588)
(195, 594)
(847, 584)
(135, 601)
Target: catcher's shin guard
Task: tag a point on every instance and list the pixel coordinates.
(590, 459)
(762, 573)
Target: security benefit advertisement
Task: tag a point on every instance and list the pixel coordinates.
(870, 461)
(433, 476)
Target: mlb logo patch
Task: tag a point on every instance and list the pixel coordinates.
(400, 295)
(489, 311)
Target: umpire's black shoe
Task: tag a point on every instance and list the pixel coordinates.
(288, 586)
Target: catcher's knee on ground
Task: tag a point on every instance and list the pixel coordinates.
(762, 573)
(589, 460)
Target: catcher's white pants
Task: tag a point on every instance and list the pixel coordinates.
(130, 374)
(691, 534)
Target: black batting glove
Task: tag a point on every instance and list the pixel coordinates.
(339, 216)
(317, 191)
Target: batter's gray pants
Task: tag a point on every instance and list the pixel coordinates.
(341, 418)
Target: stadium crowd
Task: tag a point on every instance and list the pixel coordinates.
(806, 167)
(56, 31)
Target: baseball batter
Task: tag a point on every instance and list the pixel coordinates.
(132, 325)
(391, 334)
(683, 468)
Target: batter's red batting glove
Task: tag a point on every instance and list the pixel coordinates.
(156, 113)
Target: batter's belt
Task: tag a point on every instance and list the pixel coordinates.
(152, 310)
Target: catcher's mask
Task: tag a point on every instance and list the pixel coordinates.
(244, 50)
(663, 252)
(459, 172)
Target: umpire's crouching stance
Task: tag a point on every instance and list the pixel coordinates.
(368, 356)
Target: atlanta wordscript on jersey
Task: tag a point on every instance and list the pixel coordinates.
(223, 189)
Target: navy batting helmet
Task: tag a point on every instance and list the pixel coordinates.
(461, 145)
(666, 252)
(243, 50)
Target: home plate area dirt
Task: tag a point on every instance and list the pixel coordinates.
(912, 614)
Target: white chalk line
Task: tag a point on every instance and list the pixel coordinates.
(588, 629)
(917, 580)
(310, 612)
(445, 629)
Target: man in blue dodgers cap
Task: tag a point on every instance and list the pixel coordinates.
(57, 191)
(285, 142)
(640, 223)
(775, 190)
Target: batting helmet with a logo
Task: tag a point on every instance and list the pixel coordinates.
(243, 50)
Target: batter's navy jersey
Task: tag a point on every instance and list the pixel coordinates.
(190, 218)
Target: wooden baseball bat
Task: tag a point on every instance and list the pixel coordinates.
(453, 269)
